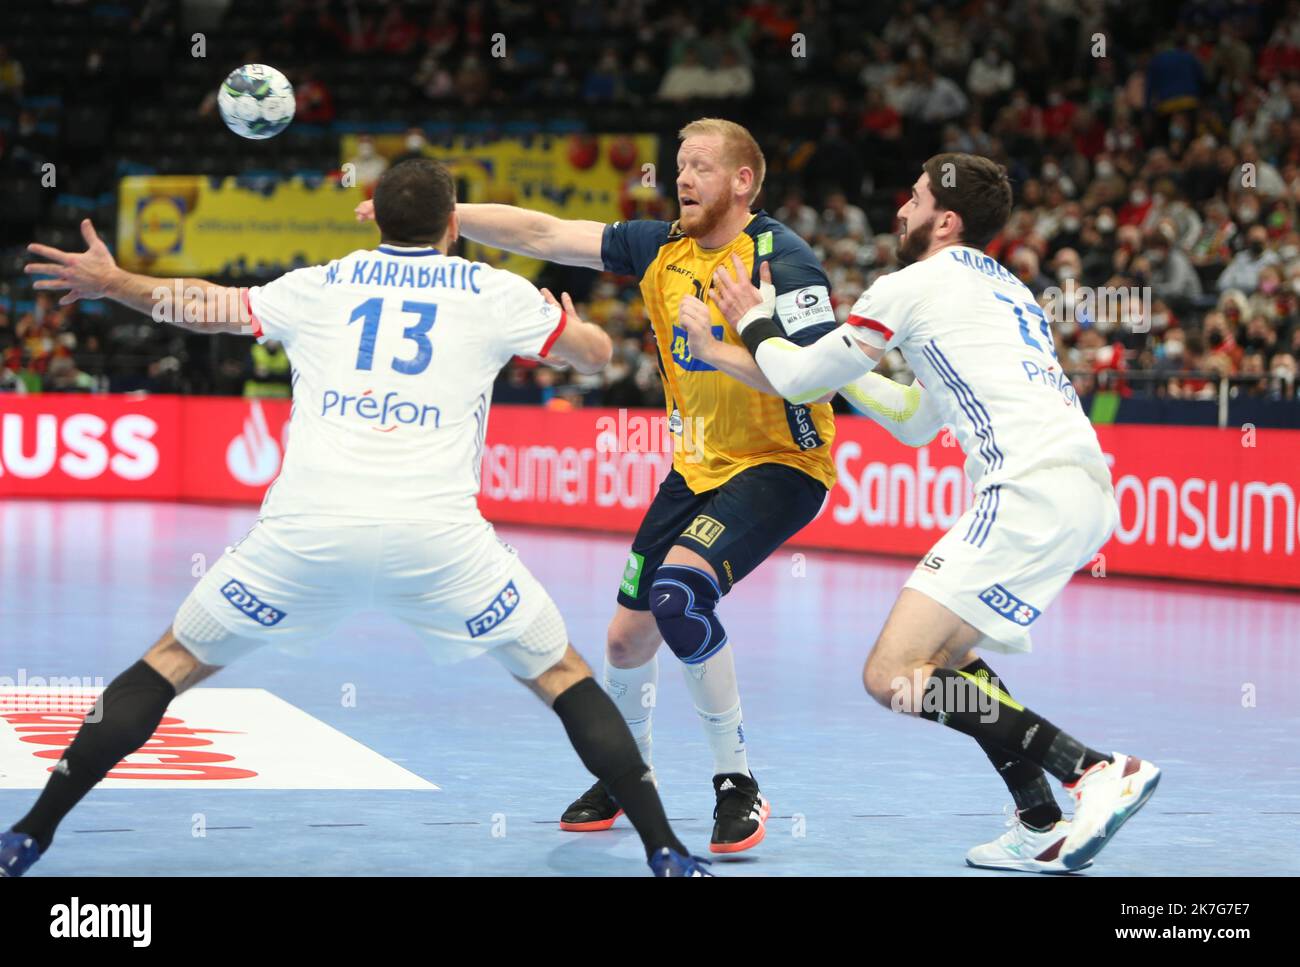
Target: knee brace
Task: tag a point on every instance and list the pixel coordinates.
(682, 600)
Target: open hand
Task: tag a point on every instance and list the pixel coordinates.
(735, 295)
(86, 275)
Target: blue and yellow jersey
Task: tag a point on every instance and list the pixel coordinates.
(723, 426)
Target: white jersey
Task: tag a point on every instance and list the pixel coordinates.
(394, 352)
(982, 348)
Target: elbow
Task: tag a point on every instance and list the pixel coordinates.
(917, 439)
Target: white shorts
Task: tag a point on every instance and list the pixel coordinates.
(1015, 549)
(464, 591)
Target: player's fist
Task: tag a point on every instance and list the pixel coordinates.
(365, 212)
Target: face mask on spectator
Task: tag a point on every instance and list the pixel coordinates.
(1070, 224)
(1247, 214)
(1105, 224)
(1281, 372)
(1138, 196)
(1174, 349)
(1256, 248)
(1288, 252)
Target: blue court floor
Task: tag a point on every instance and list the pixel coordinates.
(1200, 680)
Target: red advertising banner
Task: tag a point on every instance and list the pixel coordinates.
(1208, 504)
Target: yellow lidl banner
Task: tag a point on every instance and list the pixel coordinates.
(603, 177)
(193, 225)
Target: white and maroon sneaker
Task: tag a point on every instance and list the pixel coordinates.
(1023, 849)
(1107, 796)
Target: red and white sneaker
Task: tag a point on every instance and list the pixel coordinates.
(1107, 796)
(1023, 849)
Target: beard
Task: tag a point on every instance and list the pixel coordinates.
(915, 242)
(703, 219)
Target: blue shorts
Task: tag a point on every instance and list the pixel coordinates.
(734, 527)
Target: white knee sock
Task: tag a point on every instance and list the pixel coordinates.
(634, 692)
(713, 687)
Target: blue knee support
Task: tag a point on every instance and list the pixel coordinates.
(682, 600)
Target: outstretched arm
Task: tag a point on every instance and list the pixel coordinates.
(524, 232)
(193, 304)
(799, 373)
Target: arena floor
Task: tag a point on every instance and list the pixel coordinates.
(460, 771)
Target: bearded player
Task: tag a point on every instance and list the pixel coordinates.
(749, 469)
(394, 352)
(983, 350)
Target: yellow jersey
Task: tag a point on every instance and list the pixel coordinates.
(721, 426)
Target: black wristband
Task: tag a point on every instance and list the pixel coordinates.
(759, 332)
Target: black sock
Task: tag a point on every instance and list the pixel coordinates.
(1036, 804)
(975, 708)
(123, 719)
(606, 747)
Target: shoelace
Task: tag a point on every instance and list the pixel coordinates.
(1015, 828)
(596, 796)
(699, 861)
(736, 803)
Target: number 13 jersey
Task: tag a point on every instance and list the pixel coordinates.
(394, 353)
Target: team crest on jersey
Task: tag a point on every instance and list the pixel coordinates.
(502, 606)
(246, 602)
(704, 530)
(682, 351)
(1009, 606)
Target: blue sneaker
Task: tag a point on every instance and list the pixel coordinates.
(18, 852)
(668, 862)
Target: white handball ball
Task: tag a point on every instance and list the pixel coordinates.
(256, 101)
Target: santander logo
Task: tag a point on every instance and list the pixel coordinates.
(253, 457)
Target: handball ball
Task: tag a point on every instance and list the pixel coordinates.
(256, 101)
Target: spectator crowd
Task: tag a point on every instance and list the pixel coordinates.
(1154, 150)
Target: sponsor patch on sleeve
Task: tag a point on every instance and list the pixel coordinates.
(809, 306)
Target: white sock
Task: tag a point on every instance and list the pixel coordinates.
(634, 691)
(713, 687)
